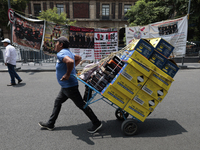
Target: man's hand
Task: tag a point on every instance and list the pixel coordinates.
(65, 77)
(6, 64)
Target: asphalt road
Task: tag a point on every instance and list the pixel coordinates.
(174, 124)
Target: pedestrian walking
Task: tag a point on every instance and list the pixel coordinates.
(10, 61)
(65, 71)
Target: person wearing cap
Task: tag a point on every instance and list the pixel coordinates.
(10, 61)
(65, 72)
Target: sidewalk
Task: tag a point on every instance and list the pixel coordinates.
(50, 67)
(35, 67)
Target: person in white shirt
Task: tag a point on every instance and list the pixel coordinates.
(10, 61)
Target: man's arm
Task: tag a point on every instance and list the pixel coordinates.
(7, 55)
(77, 59)
(70, 64)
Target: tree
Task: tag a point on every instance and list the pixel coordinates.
(194, 21)
(52, 16)
(150, 11)
(17, 5)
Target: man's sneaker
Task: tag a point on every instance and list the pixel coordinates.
(19, 81)
(94, 128)
(47, 126)
(11, 84)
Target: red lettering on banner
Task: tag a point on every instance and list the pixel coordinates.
(131, 29)
(142, 29)
(72, 28)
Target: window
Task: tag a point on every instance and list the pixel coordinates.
(29, 8)
(105, 11)
(37, 9)
(126, 8)
(97, 10)
(113, 10)
(51, 5)
(81, 10)
(120, 11)
(60, 8)
(67, 10)
(44, 6)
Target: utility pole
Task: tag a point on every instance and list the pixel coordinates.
(188, 19)
(189, 9)
(10, 23)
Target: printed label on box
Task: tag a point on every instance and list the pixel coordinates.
(146, 89)
(154, 90)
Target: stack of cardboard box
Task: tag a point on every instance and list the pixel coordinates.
(140, 79)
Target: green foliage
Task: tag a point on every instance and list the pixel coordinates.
(51, 15)
(149, 11)
(194, 21)
(17, 5)
(145, 12)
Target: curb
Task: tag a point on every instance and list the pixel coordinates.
(35, 70)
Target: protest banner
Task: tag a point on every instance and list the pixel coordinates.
(53, 30)
(136, 32)
(27, 33)
(82, 42)
(105, 42)
(173, 31)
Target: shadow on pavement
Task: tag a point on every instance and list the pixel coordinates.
(159, 128)
(20, 85)
(112, 129)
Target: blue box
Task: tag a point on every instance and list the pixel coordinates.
(158, 59)
(143, 47)
(161, 46)
(170, 68)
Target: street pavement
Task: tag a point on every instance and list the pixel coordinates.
(173, 125)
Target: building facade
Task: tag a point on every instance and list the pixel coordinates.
(88, 13)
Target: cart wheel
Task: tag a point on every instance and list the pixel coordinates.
(129, 127)
(120, 114)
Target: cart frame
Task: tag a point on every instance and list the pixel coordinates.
(129, 126)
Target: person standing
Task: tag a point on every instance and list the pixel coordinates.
(65, 72)
(10, 61)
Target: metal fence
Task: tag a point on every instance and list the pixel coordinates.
(28, 56)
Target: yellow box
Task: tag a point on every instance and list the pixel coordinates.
(124, 86)
(153, 89)
(115, 96)
(146, 100)
(161, 78)
(136, 110)
(140, 63)
(133, 75)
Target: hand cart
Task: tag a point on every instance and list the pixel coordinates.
(129, 126)
(136, 89)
